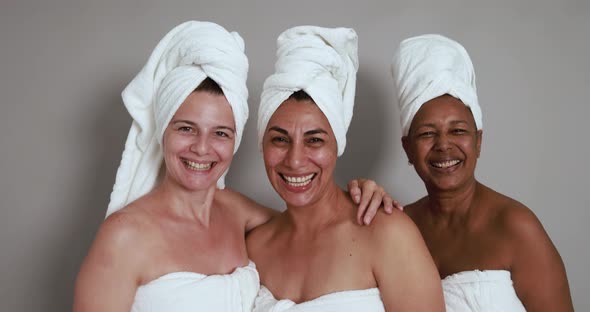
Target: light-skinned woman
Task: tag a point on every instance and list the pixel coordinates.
(177, 243)
(314, 256)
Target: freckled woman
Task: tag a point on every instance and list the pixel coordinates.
(315, 256)
(492, 253)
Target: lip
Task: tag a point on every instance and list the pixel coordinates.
(445, 165)
(295, 186)
(198, 166)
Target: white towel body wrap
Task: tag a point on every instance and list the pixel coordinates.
(482, 291)
(189, 291)
(428, 66)
(368, 300)
(187, 55)
(322, 62)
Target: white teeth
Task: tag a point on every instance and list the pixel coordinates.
(196, 166)
(446, 164)
(299, 181)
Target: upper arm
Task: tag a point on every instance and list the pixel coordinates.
(405, 272)
(258, 215)
(252, 213)
(109, 276)
(537, 270)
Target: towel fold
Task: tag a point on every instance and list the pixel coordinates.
(188, 54)
(428, 66)
(320, 61)
(341, 301)
(488, 290)
(190, 291)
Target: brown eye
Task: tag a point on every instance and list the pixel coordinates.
(184, 129)
(315, 140)
(279, 140)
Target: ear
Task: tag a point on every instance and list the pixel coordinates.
(406, 146)
(479, 137)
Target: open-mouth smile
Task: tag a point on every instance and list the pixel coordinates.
(445, 164)
(198, 166)
(299, 181)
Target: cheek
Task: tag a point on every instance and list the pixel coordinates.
(469, 145)
(174, 143)
(272, 156)
(225, 149)
(420, 150)
(324, 158)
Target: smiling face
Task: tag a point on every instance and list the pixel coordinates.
(443, 144)
(199, 142)
(299, 150)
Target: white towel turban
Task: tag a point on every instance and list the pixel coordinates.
(428, 66)
(320, 61)
(188, 54)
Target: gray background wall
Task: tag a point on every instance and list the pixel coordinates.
(63, 64)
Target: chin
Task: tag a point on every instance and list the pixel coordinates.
(295, 200)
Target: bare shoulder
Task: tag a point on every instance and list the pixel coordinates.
(122, 233)
(230, 196)
(395, 229)
(249, 212)
(402, 266)
(415, 209)
(517, 220)
(537, 270)
(114, 263)
(395, 239)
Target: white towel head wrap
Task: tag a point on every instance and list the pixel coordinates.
(323, 63)
(188, 54)
(428, 66)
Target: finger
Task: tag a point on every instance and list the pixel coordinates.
(398, 206)
(388, 204)
(369, 186)
(373, 207)
(362, 206)
(354, 190)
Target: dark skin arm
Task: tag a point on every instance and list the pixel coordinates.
(537, 270)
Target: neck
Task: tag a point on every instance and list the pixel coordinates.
(318, 215)
(453, 204)
(184, 203)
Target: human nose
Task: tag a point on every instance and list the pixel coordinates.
(442, 142)
(295, 155)
(200, 145)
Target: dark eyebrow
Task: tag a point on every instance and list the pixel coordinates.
(226, 128)
(188, 122)
(183, 121)
(285, 132)
(277, 129)
(316, 131)
(430, 125)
